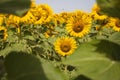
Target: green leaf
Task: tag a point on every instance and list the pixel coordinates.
(115, 37)
(110, 7)
(14, 47)
(82, 77)
(22, 66)
(98, 60)
(16, 7)
(53, 73)
(2, 70)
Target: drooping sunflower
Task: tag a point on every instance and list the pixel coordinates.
(65, 46)
(79, 26)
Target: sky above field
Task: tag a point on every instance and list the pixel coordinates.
(68, 5)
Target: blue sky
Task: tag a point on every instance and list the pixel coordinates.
(68, 5)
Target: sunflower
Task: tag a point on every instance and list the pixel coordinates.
(46, 9)
(3, 32)
(115, 23)
(65, 46)
(65, 16)
(28, 18)
(33, 4)
(57, 19)
(96, 8)
(96, 14)
(2, 18)
(79, 26)
(13, 19)
(42, 13)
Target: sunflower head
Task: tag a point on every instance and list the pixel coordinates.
(13, 19)
(2, 18)
(46, 9)
(97, 16)
(96, 13)
(79, 27)
(116, 24)
(65, 46)
(33, 4)
(96, 8)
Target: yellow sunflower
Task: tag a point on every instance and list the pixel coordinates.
(57, 19)
(46, 9)
(33, 4)
(42, 13)
(64, 16)
(65, 46)
(96, 15)
(79, 27)
(96, 8)
(2, 18)
(13, 19)
(115, 23)
(3, 32)
(28, 18)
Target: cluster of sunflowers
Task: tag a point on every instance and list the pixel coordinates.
(63, 31)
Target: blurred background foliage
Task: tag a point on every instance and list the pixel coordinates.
(38, 44)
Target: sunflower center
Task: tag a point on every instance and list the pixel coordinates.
(78, 27)
(118, 23)
(65, 47)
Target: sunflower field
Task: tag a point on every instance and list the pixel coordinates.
(38, 44)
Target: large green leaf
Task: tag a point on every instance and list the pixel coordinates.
(14, 47)
(110, 7)
(2, 70)
(115, 37)
(98, 59)
(82, 77)
(17, 7)
(22, 66)
(52, 73)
